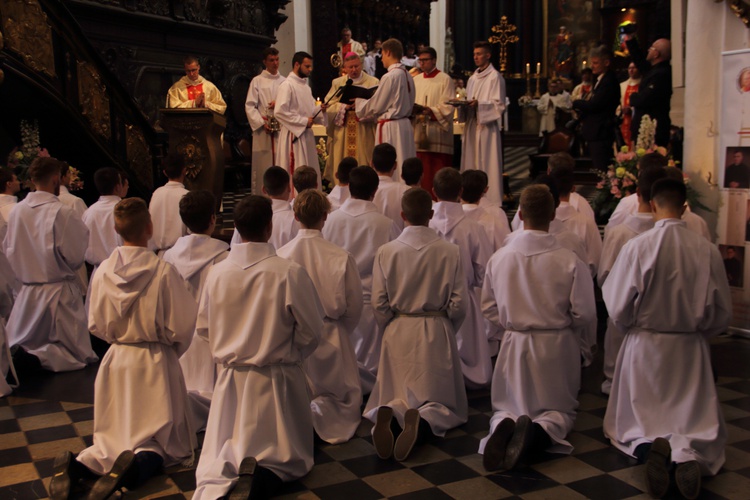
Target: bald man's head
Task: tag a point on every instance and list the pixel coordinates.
(660, 50)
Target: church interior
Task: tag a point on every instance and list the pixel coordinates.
(86, 81)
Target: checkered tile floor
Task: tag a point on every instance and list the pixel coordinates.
(54, 412)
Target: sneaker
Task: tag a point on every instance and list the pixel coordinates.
(519, 442)
(408, 436)
(243, 487)
(62, 476)
(494, 450)
(106, 485)
(382, 436)
(687, 475)
(657, 468)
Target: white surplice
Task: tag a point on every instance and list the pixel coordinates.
(391, 106)
(482, 146)
(285, 226)
(140, 305)
(332, 368)
(100, 220)
(585, 228)
(45, 245)
(629, 206)
(262, 318)
(542, 295)
(294, 105)
(6, 304)
(193, 256)
(434, 91)
(360, 229)
(79, 207)
(388, 199)
(7, 203)
(547, 106)
(338, 195)
(576, 201)
(165, 214)
(668, 289)
(496, 228)
(179, 95)
(450, 222)
(260, 93)
(419, 296)
(614, 239)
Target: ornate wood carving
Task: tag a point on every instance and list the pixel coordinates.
(139, 155)
(190, 149)
(28, 34)
(92, 95)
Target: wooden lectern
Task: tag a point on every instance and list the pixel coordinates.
(196, 135)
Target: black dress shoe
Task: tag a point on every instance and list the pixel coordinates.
(242, 490)
(494, 450)
(382, 436)
(121, 472)
(657, 468)
(62, 476)
(687, 475)
(519, 443)
(407, 438)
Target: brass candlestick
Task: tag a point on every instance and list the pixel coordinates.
(538, 77)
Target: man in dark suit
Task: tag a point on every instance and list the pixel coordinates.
(655, 91)
(598, 120)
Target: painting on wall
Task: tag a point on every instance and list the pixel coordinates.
(572, 30)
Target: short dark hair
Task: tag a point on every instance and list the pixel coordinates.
(64, 168)
(190, 60)
(363, 182)
(412, 170)
(310, 207)
(275, 180)
(304, 178)
(345, 167)
(669, 193)
(428, 50)
(646, 179)
(42, 169)
(173, 165)
(383, 157)
(196, 210)
(548, 181)
(537, 205)
(447, 184)
(6, 176)
(106, 180)
(299, 57)
(394, 47)
(653, 160)
(270, 51)
(587, 71)
(416, 203)
(131, 218)
(563, 174)
(252, 215)
(483, 44)
(473, 182)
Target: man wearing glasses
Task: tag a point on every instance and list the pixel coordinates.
(433, 125)
(194, 91)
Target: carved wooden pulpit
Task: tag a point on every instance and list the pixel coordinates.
(196, 135)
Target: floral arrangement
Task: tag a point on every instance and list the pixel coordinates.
(526, 101)
(76, 183)
(20, 158)
(621, 178)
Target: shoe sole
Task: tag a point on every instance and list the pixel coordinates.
(688, 479)
(382, 436)
(106, 485)
(407, 438)
(494, 450)
(59, 487)
(657, 472)
(243, 487)
(518, 443)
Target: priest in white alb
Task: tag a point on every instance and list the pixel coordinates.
(668, 290)
(482, 144)
(259, 105)
(194, 91)
(296, 112)
(433, 126)
(332, 368)
(348, 135)
(392, 105)
(45, 245)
